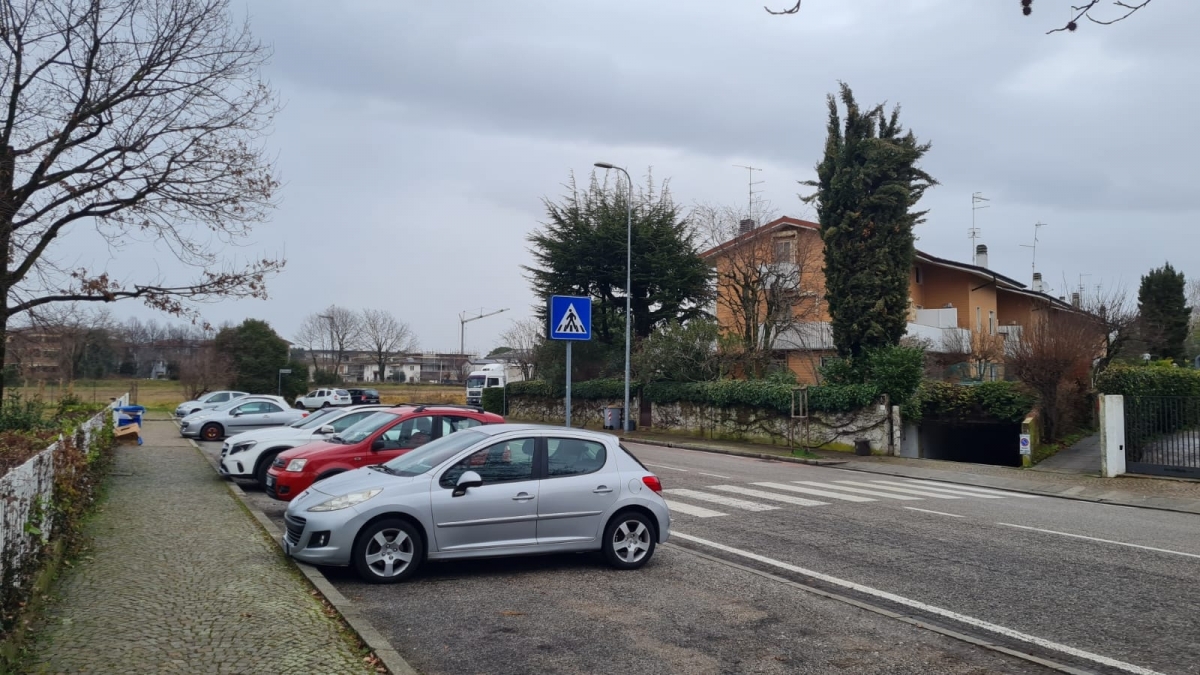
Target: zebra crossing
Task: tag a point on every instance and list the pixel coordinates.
(770, 495)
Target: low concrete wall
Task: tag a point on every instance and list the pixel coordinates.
(26, 493)
(831, 430)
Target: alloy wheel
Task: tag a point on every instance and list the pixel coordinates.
(631, 541)
(389, 552)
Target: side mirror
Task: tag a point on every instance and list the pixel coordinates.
(236, 413)
(327, 429)
(469, 479)
(377, 444)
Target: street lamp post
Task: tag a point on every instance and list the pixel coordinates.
(628, 281)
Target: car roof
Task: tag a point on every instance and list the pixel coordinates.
(496, 429)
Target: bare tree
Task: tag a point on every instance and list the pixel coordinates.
(524, 337)
(1123, 10)
(1116, 315)
(204, 370)
(768, 287)
(1053, 356)
(383, 335)
(137, 120)
(314, 336)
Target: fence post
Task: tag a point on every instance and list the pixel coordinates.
(1112, 435)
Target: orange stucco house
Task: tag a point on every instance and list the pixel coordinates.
(955, 308)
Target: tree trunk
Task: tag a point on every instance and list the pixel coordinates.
(8, 211)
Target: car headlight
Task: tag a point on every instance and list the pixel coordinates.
(242, 447)
(296, 465)
(346, 501)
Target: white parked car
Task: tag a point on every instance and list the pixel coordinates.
(206, 402)
(323, 398)
(249, 454)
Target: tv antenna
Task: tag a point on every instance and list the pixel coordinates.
(1036, 226)
(976, 199)
(750, 189)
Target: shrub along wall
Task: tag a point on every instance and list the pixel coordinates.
(1148, 381)
(732, 409)
(987, 401)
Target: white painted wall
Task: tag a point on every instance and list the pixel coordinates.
(1112, 435)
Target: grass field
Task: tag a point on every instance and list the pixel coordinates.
(164, 395)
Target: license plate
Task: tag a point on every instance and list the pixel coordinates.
(270, 480)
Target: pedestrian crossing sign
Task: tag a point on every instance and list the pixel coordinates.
(570, 318)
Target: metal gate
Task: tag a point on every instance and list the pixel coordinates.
(1162, 435)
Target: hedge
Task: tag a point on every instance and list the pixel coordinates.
(986, 401)
(720, 393)
(1148, 381)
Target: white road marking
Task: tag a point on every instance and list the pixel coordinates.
(931, 609)
(787, 499)
(923, 493)
(698, 511)
(714, 475)
(819, 493)
(940, 513)
(1105, 541)
(720, 499)
(972, 488)
(669, 468)
(877, 493)
(939, 490)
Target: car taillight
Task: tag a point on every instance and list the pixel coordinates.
(303, 415)
(652, 483)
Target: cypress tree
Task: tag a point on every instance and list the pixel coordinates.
(1164, 314)
(866, 185)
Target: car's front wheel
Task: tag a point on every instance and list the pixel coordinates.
(387, 551)
(629, 540)
(212, 432)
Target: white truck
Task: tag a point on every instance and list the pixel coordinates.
(490, 376)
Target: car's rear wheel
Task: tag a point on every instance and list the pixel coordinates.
(299, 405)
(212, 432)
(387, 551)
(629, 540)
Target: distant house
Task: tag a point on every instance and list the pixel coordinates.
(963, 311)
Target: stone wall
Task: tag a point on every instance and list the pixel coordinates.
(831, 430)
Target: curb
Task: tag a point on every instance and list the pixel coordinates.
(1113, 500)
(366, 632)
(735, 453)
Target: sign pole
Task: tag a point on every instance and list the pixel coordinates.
(568, 383)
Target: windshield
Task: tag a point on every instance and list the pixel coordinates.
(359, 432)
(314, 419)
(475, 381)
(432, 454)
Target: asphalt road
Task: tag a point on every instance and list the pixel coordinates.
(1095, 587)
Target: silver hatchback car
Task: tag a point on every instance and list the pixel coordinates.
(494, 490)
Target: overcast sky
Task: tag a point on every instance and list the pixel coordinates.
(418, 139)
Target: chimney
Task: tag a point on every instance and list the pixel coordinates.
(1075, 299)
(1037, 282)
(745, 226)
(981, 255)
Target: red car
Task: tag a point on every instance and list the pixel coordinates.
(375, 440)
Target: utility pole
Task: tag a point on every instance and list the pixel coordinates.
(750, 190)
(976, 199)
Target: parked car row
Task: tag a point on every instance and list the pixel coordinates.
(206, 402)
(385, 488)
(243, 413)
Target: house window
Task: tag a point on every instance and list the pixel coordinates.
(783, 251)
(991, 322)
(978, 319)
(917, 274)
(828, 360)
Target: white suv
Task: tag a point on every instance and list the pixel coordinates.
(323, 398)
(249, 454)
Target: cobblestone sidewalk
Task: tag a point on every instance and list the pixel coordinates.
(180, 579)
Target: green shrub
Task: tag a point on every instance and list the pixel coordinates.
(1148, 381)
(493, 400)
(19, 414)
(986, 401)
(895, 371)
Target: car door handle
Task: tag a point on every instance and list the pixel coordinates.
(602, 490)
(523, 497)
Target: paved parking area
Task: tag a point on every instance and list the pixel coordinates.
(683, 613)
